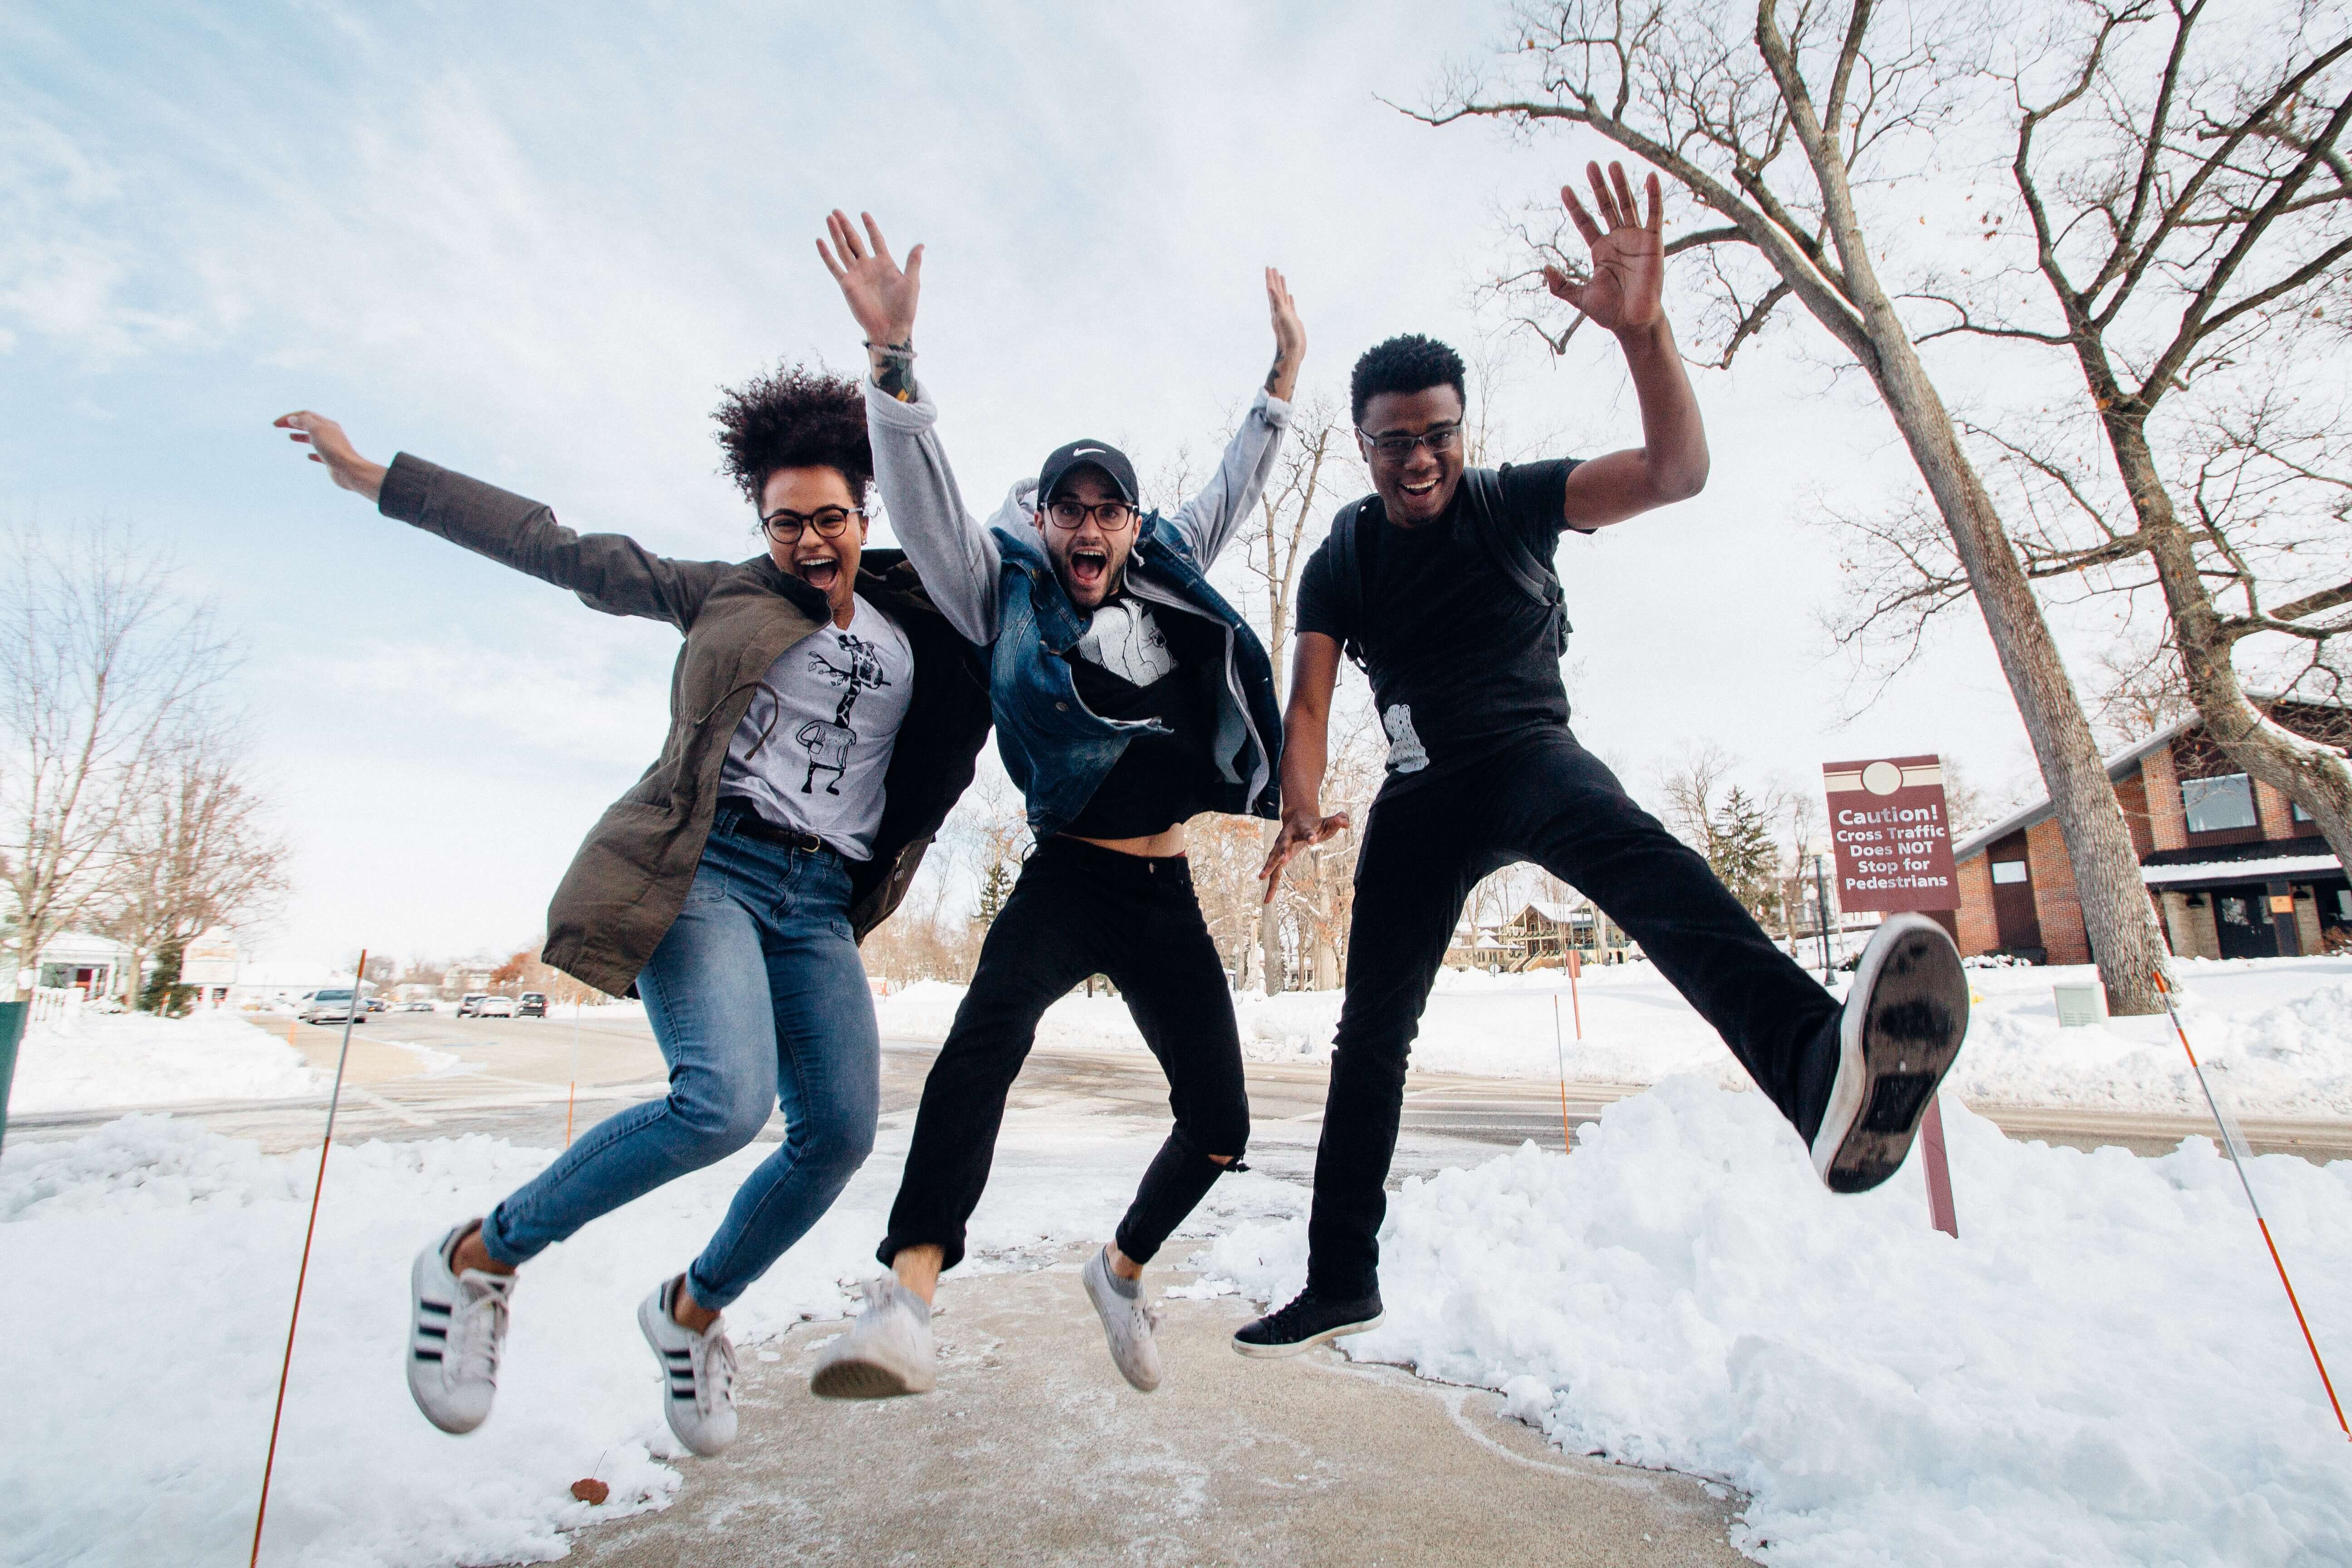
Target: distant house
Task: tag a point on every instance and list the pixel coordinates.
(1542, 932)
(94, 965)
(2234, 868)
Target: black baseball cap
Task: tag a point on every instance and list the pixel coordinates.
(1083, 454)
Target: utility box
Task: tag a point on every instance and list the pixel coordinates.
(2081, 1003)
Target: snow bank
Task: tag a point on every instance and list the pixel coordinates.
(137, 1059)
(2280, 1030)
(138, 1420)
(2101, 1370)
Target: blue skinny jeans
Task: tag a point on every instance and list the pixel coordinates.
(757, 997)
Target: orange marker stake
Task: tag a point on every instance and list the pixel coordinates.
(2234, 1140)
(302, 1277)
(1574, 964)
(1567, 1137)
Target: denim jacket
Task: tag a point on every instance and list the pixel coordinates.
(996, 586)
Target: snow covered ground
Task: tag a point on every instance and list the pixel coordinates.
(135, 1058)
(2102, 1370)
(2279, 1029)
(138, 1419)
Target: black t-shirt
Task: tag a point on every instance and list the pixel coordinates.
(1462, 659)
(1160, 779)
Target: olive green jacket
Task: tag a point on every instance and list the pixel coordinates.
(631, 876)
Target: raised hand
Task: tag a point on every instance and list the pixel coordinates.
(880, 296)
(1299, 829)
(1289, 338)
(1629, 256)
(329, 446)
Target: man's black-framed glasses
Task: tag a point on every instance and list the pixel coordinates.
(784, 527)
(1397, 448)
(1110, 515)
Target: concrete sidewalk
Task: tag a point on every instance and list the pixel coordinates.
(1033, 1451)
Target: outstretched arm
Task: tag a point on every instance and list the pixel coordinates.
(1305, 741)
(1623, 295)
(609, 571)
(952, 550)
(1209, 519)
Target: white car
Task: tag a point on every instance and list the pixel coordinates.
(496, 1007)
(330, 1007)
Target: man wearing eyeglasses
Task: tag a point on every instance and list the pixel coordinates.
(1440, 583)
(1129, 696)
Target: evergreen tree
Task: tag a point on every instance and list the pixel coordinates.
(995, 888)
(1741, 852)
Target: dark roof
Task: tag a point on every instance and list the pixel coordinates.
(2259, 850)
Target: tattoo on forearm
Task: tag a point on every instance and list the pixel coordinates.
(894, 368)
(1274, 374)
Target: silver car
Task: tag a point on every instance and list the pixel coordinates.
(331, 1008)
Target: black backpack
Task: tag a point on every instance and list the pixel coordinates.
(1482, 496)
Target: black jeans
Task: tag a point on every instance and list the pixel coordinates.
(1080, 909)
(1546, 800)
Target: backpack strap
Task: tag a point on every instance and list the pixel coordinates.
(1348, 570)
(1483, 494)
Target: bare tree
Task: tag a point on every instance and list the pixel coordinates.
(101, 663)
(1777, 125)
(1317, 461)
(2188, 204)
(194, 849)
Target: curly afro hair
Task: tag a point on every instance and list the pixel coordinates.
(1407, 363)
(795, 417)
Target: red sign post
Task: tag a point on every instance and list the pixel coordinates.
(1894, 845)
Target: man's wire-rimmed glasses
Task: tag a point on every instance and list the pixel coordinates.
(1397, 448)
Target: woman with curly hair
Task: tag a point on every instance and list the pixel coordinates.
(823, 717)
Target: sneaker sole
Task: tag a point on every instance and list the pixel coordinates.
(850, 1379)
(1102, 1296)
(1275, 1352)
(1892, 1053)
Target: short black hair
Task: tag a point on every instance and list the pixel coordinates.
(795, 417)
(1407, 363)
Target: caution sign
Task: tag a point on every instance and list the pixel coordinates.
(1892, 838)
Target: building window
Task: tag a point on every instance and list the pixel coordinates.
(2008, 871)
(2216, 806)
(2295, 809)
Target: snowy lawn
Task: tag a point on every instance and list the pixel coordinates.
(2281, 1030)
(2101, 1370)
(136, 1058)
(138, 1419)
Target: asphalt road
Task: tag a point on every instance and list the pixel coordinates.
(415, 1075)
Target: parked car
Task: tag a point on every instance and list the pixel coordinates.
(496, 1007)
(416, 1006)
(532, 1005)
(330, 1007)
(378, 1005)
(470, 1005)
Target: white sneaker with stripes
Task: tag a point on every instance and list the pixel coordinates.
(456, 1331)
(697, 1373)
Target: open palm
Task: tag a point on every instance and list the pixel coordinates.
(1623, 290)
(880, 296)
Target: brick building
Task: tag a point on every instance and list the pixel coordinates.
(2235, 868)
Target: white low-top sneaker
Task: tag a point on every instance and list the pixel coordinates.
(887, 1353)
(1130, 1323)
(697, 1373)
(456, 1331)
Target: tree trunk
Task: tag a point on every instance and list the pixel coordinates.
(1269, 948)
(2314, 775)
(2117, 912)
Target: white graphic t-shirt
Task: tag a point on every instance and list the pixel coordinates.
(813, 746)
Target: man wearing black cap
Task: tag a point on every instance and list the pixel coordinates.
(1129, 696)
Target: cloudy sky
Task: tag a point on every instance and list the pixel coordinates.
(530, 241)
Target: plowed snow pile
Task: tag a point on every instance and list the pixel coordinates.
(2101, 1370)
(137, 1059)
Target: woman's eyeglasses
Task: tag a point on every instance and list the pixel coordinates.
(784, 527)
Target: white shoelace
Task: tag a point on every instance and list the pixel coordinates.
(714, 1370)
(477, 1327)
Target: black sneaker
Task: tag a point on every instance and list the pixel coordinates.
(1900, 1031)
(1308, 1322)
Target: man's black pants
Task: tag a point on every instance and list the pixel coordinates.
(1547, 800)
(1081, 909)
